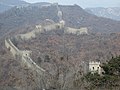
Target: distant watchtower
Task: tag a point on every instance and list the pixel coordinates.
(60, 15)
(94, 67)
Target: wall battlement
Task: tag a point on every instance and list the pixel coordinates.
(80, 31)
(93, 63)
(94, 67)
(25, 56)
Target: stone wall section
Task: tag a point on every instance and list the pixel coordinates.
(80, 31)
(24, 56)
(11, 47)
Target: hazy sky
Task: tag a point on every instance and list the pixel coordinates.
(84, 3)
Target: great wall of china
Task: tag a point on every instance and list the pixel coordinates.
(25, 54)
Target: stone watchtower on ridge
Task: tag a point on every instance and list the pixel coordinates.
(91, 66)
(94, 67)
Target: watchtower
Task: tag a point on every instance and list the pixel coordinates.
(94, 67)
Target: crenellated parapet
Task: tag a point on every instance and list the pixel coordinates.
(94, 67)
(40, 29)
(53, 27)
(27, 36)
(26, 53)
(80, 31)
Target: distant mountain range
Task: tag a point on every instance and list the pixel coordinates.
(7, 4)
(111, 12)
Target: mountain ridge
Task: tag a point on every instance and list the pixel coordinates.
(110, 12)
(6, 4)
(73, 15)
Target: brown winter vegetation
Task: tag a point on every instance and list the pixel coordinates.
(62, 54)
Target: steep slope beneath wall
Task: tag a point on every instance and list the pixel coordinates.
(25, 60)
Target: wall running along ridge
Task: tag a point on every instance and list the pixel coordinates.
(24, 55)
